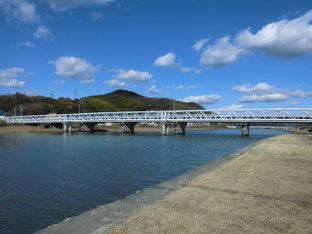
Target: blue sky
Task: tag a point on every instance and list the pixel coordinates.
(237, 54)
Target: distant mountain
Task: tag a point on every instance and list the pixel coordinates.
(119, 100)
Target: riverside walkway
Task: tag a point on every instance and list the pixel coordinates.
(177, 119)
(266, 189)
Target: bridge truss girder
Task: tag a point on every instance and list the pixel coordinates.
(294, 115)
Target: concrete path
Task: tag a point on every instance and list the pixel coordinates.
(265, 190)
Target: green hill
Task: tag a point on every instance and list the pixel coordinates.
(123, 100)
(119, 100)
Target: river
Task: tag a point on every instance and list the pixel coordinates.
(46, 178)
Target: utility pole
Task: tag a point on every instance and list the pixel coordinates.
(75, 93)
(52, 95)
(20, 107)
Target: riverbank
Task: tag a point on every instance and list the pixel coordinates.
(27, 129)
(138, 128)
(118, 129)
(266, 189)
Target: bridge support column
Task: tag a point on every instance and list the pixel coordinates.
(128, 127)
(179, 128)
(67, 127)
(87, 127)
(245, 129)
(165, 128)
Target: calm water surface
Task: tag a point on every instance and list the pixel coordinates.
(45, 178)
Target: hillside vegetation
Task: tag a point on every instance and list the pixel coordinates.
(119, 100)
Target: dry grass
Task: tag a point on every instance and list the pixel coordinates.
(266, 190)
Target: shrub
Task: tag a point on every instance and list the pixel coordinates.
(3, 123)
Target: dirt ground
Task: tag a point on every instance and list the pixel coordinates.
(26, 129)
(265, 190)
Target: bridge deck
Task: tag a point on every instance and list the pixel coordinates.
(294, 115)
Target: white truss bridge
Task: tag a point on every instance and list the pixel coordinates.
(285, 115)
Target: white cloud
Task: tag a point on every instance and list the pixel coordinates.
(11, 73)
(27, 44)
(186, 69)
(21, 10)
(200, 43)
(270, 97)
(290, 104)
(234, 106)
(32, 92)
(282, 39)
(203, 99)
(26, 12)
(293, 104)
(74, 67)
(59, 82)
(87, 81)
(220, 54)
(181, 87)
(42, 32)
(197, 71)
(64, 5)
(260, 87)
(262, 92)
(8, 77)
(96, 16)
(153, 90)
(167, 60)
(133, 75)
(299, 93)
(115, 83)
(12, 83)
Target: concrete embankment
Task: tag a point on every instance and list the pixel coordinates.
(266, 189)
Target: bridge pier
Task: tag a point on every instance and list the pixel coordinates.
(165, 128)
(128, 127)
(87, 127)
(179, 128)
(67, 127)
(245, 129)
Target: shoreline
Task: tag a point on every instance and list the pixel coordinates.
(118, 129)
(114, 129)
(105, 217)
(27, 129)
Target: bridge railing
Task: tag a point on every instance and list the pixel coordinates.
(216, 115)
